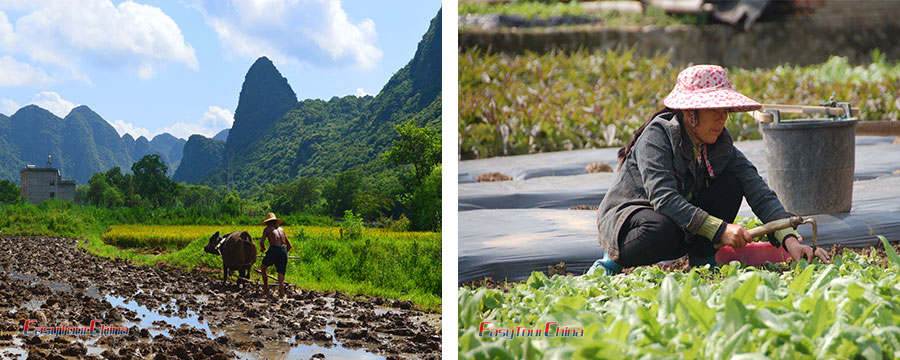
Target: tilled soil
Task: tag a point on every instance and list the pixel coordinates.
(51, 281)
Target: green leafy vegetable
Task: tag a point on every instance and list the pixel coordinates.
(813, 311)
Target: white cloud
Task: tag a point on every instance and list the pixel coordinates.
(76, 34)
(293, 31)
(217, 118)
(8, 107)
(19, 5)
(146, 71)
(360, 92)
(185, 130)
(47, 100)
(214, 120)
(52, 102)
(7, 36)
(14, 73)
(123, 128)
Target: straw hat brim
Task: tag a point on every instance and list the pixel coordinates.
(272, 219)
(721, 98)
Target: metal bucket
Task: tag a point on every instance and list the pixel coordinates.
(811, 163)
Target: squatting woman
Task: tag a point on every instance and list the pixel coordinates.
(681, 181)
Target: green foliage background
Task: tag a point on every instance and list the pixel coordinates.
(521, 104)
(9, 191)
(544, 9)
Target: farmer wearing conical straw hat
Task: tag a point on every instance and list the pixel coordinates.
(681, 181)
(277, 254)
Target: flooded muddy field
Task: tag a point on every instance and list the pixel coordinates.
(170, 313)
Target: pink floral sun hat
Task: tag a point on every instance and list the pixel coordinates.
(707, 87)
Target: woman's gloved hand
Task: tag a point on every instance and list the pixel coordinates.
(735, 236)
(798, 250)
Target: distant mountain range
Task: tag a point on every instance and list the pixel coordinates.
(274, 138)
(202, 155)
(80, 144)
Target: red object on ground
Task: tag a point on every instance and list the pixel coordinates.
(752, 254)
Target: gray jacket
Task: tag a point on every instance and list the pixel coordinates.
(659, 174)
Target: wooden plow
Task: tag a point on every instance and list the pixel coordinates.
(275, 283)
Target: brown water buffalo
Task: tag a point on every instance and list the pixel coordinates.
(237, 251)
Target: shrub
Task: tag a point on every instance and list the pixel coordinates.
(352, 226)
(424, 204)
(399, 225)
(9, 192)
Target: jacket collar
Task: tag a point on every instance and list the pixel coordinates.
(719, 153)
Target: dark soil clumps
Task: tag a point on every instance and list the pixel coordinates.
(491, 177)
(598, 167)
(53, 282)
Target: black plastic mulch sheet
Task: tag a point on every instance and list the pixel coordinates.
(559, 180)
(509, 229)
(511, 243)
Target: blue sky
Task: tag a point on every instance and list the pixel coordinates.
(177, 66)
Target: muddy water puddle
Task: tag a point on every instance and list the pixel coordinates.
(286, 351)
(14, 352)
(240, 332)
(148, 318)
(159, 323)
(307, 351)
(33, 279)
(382, 311)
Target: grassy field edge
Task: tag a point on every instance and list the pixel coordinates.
(187, 259)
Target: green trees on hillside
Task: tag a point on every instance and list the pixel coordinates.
(296, 196)
(101, 193)
(423, 203)
(111, 189)
(231, 204)
(198, 196)
(419, 148)
(276, 139)
(9, 192)
(403, 192)
(340, 192)
(151, 183)
(406, 185)
(201, 156)
(147, 186)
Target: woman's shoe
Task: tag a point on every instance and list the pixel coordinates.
(608, 267)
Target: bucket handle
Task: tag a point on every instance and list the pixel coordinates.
(772, 112)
